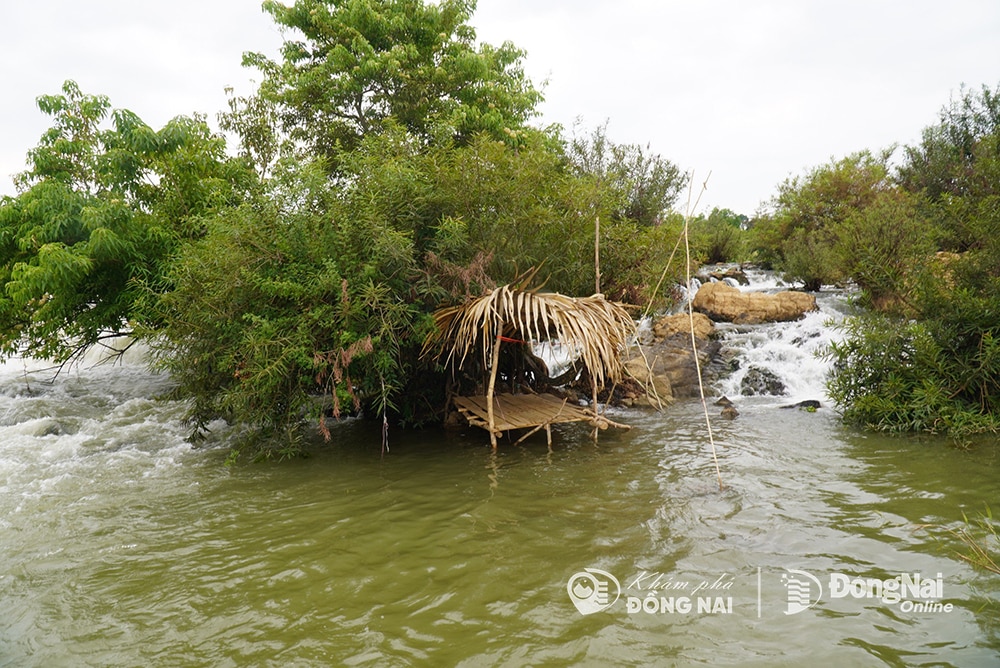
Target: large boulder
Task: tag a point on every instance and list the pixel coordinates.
(656, 384)
(723, 302)
(666, 367)
(669, 325)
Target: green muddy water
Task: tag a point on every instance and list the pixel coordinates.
(123, 546)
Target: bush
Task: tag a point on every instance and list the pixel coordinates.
(883, 247)
(721, 237)
(939, 375)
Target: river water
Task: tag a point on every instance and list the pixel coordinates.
(123, 545)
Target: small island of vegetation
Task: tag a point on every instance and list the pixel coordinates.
(388, 165)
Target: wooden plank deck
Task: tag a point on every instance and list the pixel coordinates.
(528, 411)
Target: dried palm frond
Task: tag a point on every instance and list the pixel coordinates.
(599, 329)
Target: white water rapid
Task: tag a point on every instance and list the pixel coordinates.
(790, 353)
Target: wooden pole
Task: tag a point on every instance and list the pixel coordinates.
(593, 401)
(597, 256)
(489, 389)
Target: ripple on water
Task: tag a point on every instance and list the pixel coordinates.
(122, 544)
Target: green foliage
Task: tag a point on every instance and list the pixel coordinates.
(634, 258)
(898, 376)
(385, 170)
(800, 235)
(523, 207)
(948, 162)
(635, 184)
(883, 247)
(720, 237)
(938, 371)
(981, 538)
(325, 287)
(286, 301)
(99, 213)
(358, 63)
(810, 259)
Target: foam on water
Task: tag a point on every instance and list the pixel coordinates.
(792, 351)
(59, 433)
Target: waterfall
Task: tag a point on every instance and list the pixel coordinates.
(782, 359)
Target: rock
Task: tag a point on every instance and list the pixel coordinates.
(730, 413)
(681, 323)
(733, 273)
(656, 383)
(672, 360)
(761, 381)
(674, 373)
(723, 302)
(808, 404)
(723, 401)
(721, 272)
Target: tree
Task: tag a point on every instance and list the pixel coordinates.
(808, 210)
(936, 366)
(361, 62)
(85, 244)
(955, 166)
(315, 298)
(945, 161)
(721, 236)
(385, 169)
(637, 185)
(884, 247)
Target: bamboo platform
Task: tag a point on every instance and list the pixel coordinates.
(528, 411)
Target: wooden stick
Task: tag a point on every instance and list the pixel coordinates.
(545, 425)
(489, 390)
(597, 255)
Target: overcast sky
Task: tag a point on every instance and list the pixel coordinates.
(753, 91)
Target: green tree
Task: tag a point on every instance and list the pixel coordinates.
(936, 366)
(721, 236)
(85, 244)
(386, 168)
(801, 231)
(884, 247)
(324, 287)
(635, 184)
(955, 164)
(358, 63)
(296, 304)
(947, 161)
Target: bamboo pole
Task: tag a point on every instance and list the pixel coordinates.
(597, 255)
(489, 390)
(694, 343)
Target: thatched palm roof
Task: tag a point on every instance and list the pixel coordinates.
(600, 330)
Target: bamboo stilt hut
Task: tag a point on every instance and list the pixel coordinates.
(472, 334)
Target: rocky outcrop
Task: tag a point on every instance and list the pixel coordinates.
(669, 325)
(666, 367)
(761, 381)
(734, 273)
(722, 302)
(653, 381)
